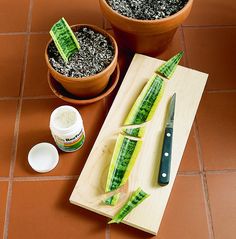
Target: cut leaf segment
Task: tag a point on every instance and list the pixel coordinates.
(136, 198)
(123, 159)
(167, 69)
(64, 39)
(145, 105)
(112, 201)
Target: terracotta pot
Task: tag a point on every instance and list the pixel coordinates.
(90, 86)
(144, 36)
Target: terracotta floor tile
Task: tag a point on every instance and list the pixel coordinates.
(189, 160)
(216, 123)
(36, 213)
(34, 128)
(7, 115)
(222, 194)
(11, 58)
(36, 74)
(3, 200)
(212, 12)
(76, 11)
(124, 59)
(14, 15)
(184, 216)
(212, 51)
(175, 46)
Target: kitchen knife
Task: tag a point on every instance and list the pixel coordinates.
(164, 171)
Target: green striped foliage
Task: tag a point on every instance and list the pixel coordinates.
(136, 198)
(167, 69)
(112, 201)
(123, 159)
(126, 149)
(64, 39)
(145, 105)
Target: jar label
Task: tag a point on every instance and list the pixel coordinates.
(70, 144)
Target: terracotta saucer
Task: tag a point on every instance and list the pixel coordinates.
(61, 93)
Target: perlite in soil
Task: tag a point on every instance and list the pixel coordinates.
(96, 52)
(147, 9)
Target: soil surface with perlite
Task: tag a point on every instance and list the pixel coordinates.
(95, 54)
(147, 9)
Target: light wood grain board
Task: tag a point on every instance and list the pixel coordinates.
(89, 190)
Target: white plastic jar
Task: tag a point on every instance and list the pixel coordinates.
(67, 128)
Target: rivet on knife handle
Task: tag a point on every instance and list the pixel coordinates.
(164, 172)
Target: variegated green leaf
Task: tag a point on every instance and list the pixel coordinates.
(127, 149)
(64, 39)
(167, 69)
(123, 159)
(145, 105)
(136, 198)
(112, 201)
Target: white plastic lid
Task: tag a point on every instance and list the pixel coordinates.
(43, 157)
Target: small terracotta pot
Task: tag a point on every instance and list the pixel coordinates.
(90, 86)
(144, 36)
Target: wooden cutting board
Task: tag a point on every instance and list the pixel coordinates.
(89, 190)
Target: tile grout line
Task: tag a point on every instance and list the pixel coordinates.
(16, 128)
(11, 172)
(108, 231)
(3, 179)
(221, 171)
(184, 46)
(204, 182)
(198, 147)
(22, 33)
(43, 97)
(44, 178)
(110, 28)
(9, 98)
(209, 26)
(207, 205)
(72, 177)
(54, 97)
(188, 173)
(221, 91)
(29, 97)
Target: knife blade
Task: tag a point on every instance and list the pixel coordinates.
(165, 164)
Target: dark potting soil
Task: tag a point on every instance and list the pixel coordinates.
(147, 9)
(95, 54)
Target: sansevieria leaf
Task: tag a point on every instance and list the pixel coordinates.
(123, 159)
(127, 148)
(128, 144)
(112, 201)
(64, 39)
(136, 198)
(145, 105)
(167, 69)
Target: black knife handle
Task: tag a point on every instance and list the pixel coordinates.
(164, 171)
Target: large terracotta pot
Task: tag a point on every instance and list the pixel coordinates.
(86, 87)
(144, 36)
